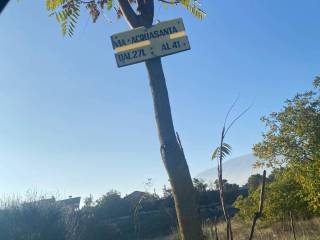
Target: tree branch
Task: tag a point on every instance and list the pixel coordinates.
(237, 118)
(292, 226)
(3, 4)
(144, 15)
(129, 14)
(221, 189)
(146, 12)
(169, 2)
(229, 111)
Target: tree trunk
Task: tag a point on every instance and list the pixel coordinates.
(3, 3)
(258, 214)
(292, 226)
(173, 156)
(171, 149)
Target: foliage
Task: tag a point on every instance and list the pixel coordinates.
(108, 217)
(308, 177)
(200, 185)
(253, 182)
(224, 150)
(227, 187)
(36, 220)
(281, 196)
(294, 132)
(167, 192)
(292, 140)
(67, 12)
(88, 201)
(111, 205)
(193, 6)
(305, 229)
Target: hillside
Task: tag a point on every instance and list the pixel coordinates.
(236, 170)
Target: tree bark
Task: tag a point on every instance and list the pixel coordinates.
(258, 214)
(171, 150)
(292, 226)
(3, 3)
(221, 188)
(173, 156)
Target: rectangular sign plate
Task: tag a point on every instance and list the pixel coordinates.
(141, 44)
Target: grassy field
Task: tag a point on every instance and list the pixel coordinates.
(305, 230)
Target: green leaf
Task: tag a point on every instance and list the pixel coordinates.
(52, 5)
(222, 152)
(193, 8)
(109, 4)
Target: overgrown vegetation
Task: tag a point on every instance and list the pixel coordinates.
(291, 146)
(306, 230)
(136, 216)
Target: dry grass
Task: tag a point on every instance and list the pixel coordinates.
(305, 230)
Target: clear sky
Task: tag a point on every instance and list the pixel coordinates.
(72, 122)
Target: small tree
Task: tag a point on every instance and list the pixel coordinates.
(219, 154)
(88, 201)
(228, 187)
(253, 182)
(111, 205)
(292, 140)
(200, 185)
(167, 192)
(281, 197)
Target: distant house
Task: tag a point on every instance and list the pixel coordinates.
(134, 198)
(71, 203)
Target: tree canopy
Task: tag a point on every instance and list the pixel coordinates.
(67, 12)
(282, 195)
(293, 140)
(293, 134)
(290, 145)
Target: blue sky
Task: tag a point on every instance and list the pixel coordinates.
(72, 122)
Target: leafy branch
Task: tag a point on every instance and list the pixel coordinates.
(67, 12)
(193, 6)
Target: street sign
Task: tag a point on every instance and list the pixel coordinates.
(141, 44)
